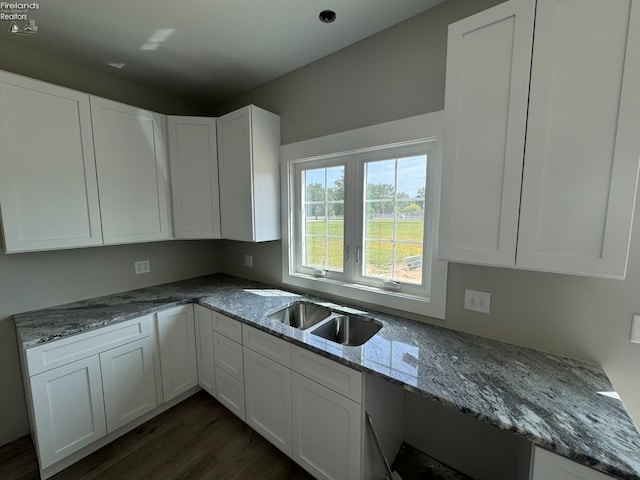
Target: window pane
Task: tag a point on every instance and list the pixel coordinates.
(379, 228)
(378, 259)
(335, 248)
(394, 219)
(315, 251)
(323, 218)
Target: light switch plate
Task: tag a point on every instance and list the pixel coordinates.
(477, 301)
(635, 329)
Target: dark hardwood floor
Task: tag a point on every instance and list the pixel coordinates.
(197, 439)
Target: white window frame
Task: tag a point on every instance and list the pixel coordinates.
(362, 143)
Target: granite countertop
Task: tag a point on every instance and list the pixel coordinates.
(557, 403)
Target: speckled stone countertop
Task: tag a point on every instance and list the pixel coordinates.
(555, 402)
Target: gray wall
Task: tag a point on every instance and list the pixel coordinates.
(399, 73)
(34, 280)
(20, 58)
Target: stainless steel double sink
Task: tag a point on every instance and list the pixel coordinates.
(334, 326)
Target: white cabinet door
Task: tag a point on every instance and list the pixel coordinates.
(128, 381)
(204, 342)
(549, 466)
(488, 63)
(268, 399)
(48, 188)
(326, 431)
(248, 157)
(178, 362)
(581, 163)
(580, 171)
(194, 177)
(133, 172)
(230, 392)
(68, 409)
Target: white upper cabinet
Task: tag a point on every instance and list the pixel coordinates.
(48, 188)
(194, 177)
(248, 157)
(583, 137)
(133, 172)
(488, 62)
(561, 199)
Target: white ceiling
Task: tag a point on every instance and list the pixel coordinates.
(218, 48)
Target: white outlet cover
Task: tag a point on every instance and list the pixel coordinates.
(142, 266)
(248, 260)
(477, 301)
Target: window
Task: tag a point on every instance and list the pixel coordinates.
(361, 222)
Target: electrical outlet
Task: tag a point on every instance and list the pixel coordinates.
(248, 261)
(142, 266)
(635, 329)
(477, 301)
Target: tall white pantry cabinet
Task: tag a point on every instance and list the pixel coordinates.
(541, 136)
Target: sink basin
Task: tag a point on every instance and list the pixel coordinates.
(300, 314)
(348, 330)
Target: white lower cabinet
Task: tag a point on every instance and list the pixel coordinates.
(326, 431)
(229, 370)
(306, 405)
(84, 387)
(204, 346)
(549, 466)
(230, 392)
(68, 409)
(177, 338)
(128, 381)
(268, 398)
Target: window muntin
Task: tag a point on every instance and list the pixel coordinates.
(393, 208)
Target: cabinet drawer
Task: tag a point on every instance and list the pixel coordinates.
(340, 379)
(67, 350)
(230, 392)
(271, 347)
(228, 356)
(228, 327)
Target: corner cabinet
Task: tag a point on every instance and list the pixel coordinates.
(48, 187)
(560, 197)
(133, 172)
(193, 158)
(248, 157)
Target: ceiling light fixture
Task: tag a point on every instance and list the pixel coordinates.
(327, 16)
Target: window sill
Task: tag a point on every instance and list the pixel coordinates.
(433, 306)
